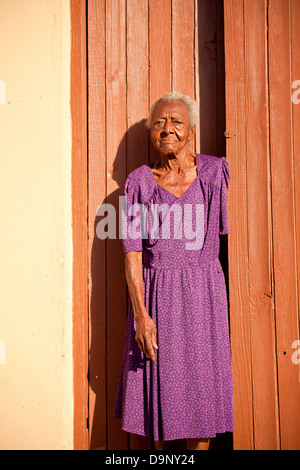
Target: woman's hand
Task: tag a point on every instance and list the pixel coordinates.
(146, 335)
(145, 326)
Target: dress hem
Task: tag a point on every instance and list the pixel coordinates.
(174, 438)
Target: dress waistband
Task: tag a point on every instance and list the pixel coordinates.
(173, 260)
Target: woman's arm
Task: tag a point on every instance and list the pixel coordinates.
(145, 327)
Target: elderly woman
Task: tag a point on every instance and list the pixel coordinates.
(175, 380)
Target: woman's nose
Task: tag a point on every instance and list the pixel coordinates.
(168, 127)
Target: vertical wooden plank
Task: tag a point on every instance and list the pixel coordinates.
(220, 78)
(79, 216)
(237, 206)
(295, 15)
(116, 175)
(197, 72)
(160, 52)
(183, 31)
(137, 83)
(207, 15)
(283, 210)
(160, 33)
(137, 110)
(263, 349)
(183, 48)
(97, 247)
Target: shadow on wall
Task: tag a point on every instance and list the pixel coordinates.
(109, 300)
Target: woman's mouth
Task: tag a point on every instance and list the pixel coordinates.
(168, 141)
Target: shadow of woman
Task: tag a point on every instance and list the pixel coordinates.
(108, 303)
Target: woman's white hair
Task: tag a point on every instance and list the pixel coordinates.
(190, 104)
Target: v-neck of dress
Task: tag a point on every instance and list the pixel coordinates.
(169, 192)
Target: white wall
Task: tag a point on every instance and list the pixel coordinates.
(36, 371)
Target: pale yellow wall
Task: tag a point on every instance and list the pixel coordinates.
(36, 391)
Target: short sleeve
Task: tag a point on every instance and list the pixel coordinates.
(224, 227)
(131, 217)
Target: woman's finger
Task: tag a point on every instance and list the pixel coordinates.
(154, 339)
(140, 343)
(149, 348)
(146, 341)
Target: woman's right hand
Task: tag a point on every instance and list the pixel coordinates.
(145, 326)
(146, 335)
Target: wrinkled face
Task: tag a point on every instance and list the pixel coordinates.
(170, 130)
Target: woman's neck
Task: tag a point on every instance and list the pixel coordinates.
(178, 163)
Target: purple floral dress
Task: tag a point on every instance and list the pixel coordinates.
(187, 391)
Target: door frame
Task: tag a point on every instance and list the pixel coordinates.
(78, 84)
